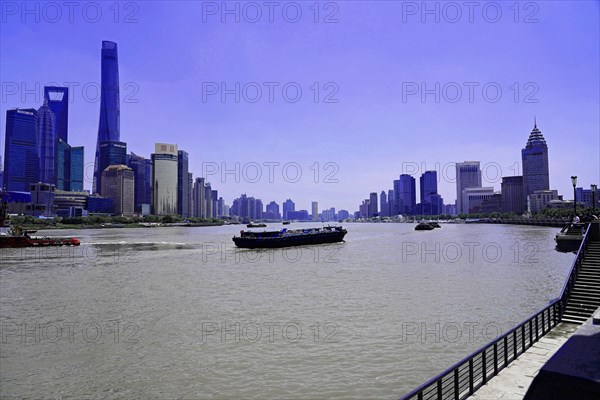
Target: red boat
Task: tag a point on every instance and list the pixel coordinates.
(15, 236)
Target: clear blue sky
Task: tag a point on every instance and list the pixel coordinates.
(371, 57)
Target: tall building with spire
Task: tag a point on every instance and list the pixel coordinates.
(109, 125)
(48, 143)
(535, 163)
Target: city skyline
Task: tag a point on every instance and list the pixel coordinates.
(365, 140)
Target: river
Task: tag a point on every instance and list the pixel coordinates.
(175, 312)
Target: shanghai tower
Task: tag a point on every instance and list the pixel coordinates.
(109, 126)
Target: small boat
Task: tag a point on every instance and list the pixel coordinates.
(569, 238)
(286, 222)
(16, 236)
(286, 238)
(253, 225)
(424, 226)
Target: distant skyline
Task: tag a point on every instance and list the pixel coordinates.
(368, 119)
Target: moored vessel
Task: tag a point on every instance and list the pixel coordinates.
(424, 226)
(255, 225)
(15, 236)
(286, 238)
(569, 238)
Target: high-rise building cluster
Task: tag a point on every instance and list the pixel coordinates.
(44, 174)
(36, 150)
(528, 192)
(402, 199)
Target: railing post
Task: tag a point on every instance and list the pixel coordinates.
(484, 366)
(523, 338)
(439, 389)
(505, 351)
(544, 322)
(456, 393)
(537, 328)
(530, 333)
(496, 358)
(471, 376)
(515, 344)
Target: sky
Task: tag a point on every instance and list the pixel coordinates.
(322, 101)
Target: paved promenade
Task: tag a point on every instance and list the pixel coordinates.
(513, 381)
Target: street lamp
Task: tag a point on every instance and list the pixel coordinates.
(574, 182)
(594, 188)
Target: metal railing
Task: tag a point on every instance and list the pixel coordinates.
(463, 378)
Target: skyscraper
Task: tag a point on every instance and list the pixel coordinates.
(383, 204)
(21, 149)
(209, 200)
(63, 165)
(288, 206)
(190, 184)
(373, 209)
(109, 125)
(48, 142)
(468, 175)
(69, 167)
(513, 199)
(183, 194)
(315, 211)
(272, 211)
(118, 182)
(111, 153)
(427, 184)
(77, 168)
(535, 163)
(164, 179)
(215, 203)
(405, 194)
(58, 100)
(142, 180)
(199, 199)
